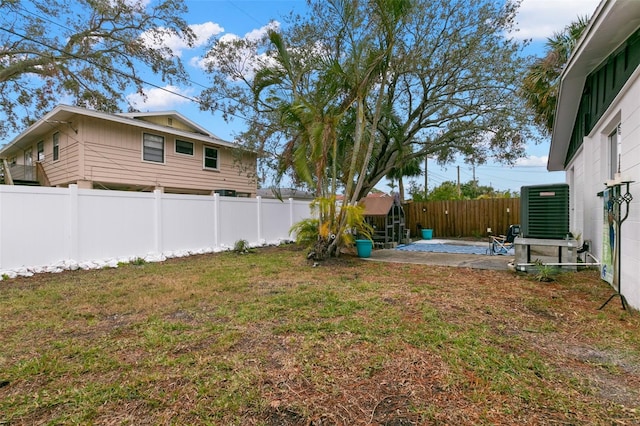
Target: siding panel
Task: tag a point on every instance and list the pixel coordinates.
(113, 155)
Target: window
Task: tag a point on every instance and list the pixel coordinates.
(28, 159)
(40, 148)
(153, 148)
(184, 147)
(614, 152)
(210, 158)
(56, 146)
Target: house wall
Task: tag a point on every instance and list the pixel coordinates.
(588, 172)
(65, 169)
(113, 155)
(164, 121)
(87, 225)
(108, 154)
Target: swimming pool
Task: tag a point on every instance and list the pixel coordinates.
(447, 246)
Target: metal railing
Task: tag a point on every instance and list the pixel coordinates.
(22, 172)
(10, 173)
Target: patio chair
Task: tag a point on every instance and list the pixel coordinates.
(501, 244)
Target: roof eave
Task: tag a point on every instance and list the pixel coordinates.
(31, 129)
(60, 109)
(174, 114)
(609, 27)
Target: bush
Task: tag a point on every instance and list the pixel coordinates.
(242, 247)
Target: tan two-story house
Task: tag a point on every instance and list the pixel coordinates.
(128, 151)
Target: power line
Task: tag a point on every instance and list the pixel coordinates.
(245, 12)
(44, 18)
(195, 83)
(122, 73)
(113, 70)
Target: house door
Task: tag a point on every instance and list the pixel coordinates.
(28, 165)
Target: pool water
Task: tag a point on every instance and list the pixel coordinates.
(446, 246)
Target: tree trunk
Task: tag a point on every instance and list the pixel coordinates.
(401, 189)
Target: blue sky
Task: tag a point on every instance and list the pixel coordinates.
(537, 19)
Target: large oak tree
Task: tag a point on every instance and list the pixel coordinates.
(87, 52)
(352, 91)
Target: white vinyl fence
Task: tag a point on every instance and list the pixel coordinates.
(50, 229)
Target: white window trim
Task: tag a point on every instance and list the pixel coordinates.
(40, 158)
(55, 156)
(614, 148)
(204, 150)
(164, 149)
(175, 147)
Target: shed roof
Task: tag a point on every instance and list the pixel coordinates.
(377, 206)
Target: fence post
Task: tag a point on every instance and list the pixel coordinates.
(73, 214)
(157, 207)
(216, 219)
(259, 213)
(290, 213)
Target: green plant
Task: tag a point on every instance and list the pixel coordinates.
(306, 232)
(334, 229)
(242, 247)
(544, 273)
(356, 221)
(5, 277)
(138, 261)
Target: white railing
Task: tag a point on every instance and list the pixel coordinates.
(43, 227)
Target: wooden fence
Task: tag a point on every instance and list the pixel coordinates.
(463, 218)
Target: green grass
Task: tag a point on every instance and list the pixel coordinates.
(265, 338)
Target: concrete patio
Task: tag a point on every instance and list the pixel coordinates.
(474, 261)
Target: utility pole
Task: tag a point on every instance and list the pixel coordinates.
(475, 184)
(426, 176)
(459, 192)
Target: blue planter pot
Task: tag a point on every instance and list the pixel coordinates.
(364, 247)
(427, 234)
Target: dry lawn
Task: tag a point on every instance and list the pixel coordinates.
(268, 339)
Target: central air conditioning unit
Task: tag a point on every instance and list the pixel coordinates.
(544, 211)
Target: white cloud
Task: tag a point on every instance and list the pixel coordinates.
(248, 59)
(259, 33)
(159, 98)
(141, 4)
(539, 19)
(229, 38)
(198, 62)
(533, 161)
(162, 38)
(205, 31)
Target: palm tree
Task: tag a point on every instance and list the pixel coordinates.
(541, 83)
(408, 168)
